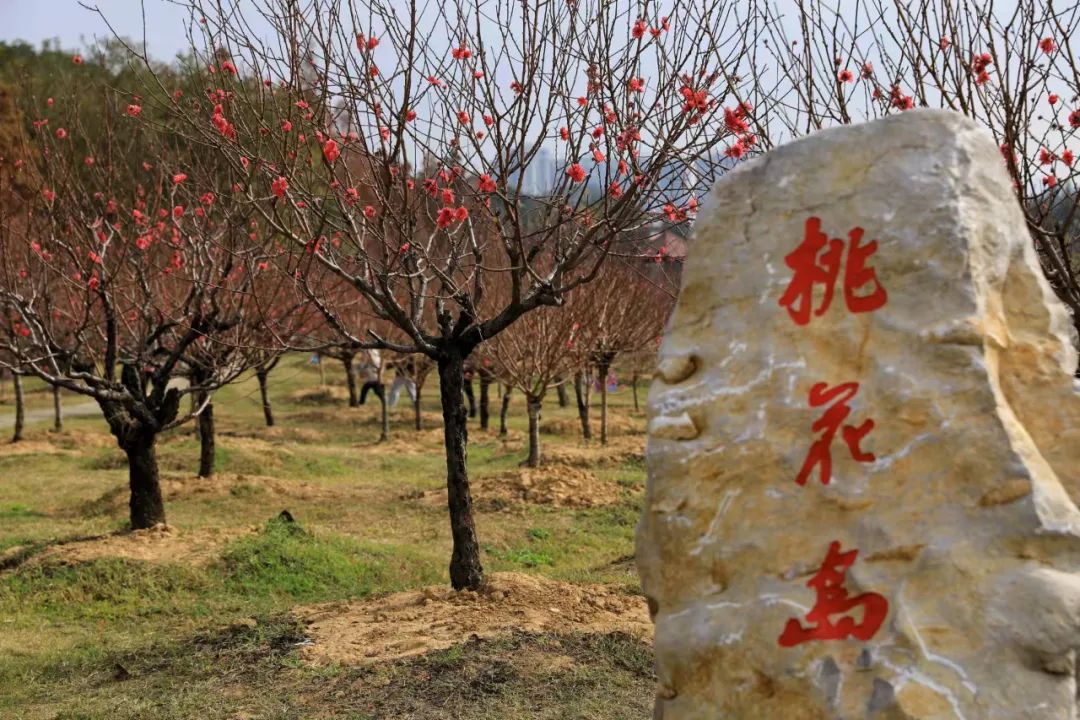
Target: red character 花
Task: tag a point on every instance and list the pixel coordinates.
(828, 424)
(832, 599)
(811, 270)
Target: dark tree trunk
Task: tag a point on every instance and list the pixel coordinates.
(564, 400)
(196, 401)
(416, 408)
(604, 367)
(20, 409)
(485, 400)
(470, 397)
(465, 569)
(58, 411)
(633, 384)
(384, 435)
(533, 405)
(207, 439)
(350, 380)
(147, 507)
(502, 412)
(264, 393)
(581, 393)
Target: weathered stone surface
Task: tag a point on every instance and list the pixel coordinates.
(965, 521)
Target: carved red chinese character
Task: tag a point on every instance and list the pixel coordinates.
(828, 424)
(812, 270)
(832, 599)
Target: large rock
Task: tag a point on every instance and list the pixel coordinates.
(948, 521)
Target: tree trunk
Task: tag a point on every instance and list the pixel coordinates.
(465, 569)
(350, 381)
(533, 405)
(581, 392)
(485, 399)
(264, 393)
(147, 507)
(633, 384)
(20, 409)
(563, 399)
(207, 444)
(502, 412)
(416, 409)
(604, 368)
(58, 411)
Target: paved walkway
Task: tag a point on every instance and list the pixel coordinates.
(82, 409)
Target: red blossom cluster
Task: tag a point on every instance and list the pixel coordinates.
(979, 65)
(223, 126)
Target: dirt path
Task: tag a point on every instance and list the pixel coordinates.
(83, 409)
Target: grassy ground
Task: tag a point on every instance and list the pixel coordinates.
(210, 634)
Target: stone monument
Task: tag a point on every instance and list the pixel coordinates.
(864, 443)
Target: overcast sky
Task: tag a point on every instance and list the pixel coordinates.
(76, 27)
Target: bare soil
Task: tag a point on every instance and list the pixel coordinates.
(159, 544)
(417, 622)
(321, 395)
(619, 449)
(618, 424)
(562, 486)
(184, 487)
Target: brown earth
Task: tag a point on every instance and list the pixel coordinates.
(618, 450)
(190, 486)
(409, 441)
(31, 447)
(320, 395)
(159, 544)
(417, 622)
(186, 487)
(556, 485)
(276, 434)
(46, 442)
(618, 424)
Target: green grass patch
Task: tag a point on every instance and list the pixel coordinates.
(285, 560)
(106, 589)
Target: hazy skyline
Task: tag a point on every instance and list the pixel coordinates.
(76, 27)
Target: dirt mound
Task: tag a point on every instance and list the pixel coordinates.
(406, 441)
(619, 449)
(617, 425)
(324, 395)
(434, 618)
(30, 447)
(289, 434)
(274, 435)
(188, 487)
(80, 438)
(159, 544)
(556, 485)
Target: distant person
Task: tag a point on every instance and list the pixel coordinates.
(403, 379)
(612, 382)
(369, 367)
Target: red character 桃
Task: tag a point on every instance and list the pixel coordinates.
(811, 270)
(832, 599)
(828, 424)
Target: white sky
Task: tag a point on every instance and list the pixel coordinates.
(36, 21)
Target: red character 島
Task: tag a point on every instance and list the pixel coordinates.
(811, 270)
(832, 599)
(828, 424)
